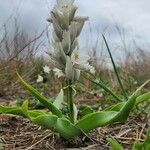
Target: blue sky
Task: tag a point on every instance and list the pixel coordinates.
(133, 16)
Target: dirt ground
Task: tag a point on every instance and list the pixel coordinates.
(17, 133)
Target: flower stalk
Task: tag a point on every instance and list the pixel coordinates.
(70, 100)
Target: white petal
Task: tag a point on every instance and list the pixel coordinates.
(39, 79)
(58, 72)
(46, 69)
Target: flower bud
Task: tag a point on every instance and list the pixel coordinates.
(71, 73)
(66, 42)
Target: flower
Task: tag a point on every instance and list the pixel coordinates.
(66, 29)
(89, 67)
(46, 69)
(82, 62)
(135, 82)
(71, 72)
(39, 79)
(58, 72)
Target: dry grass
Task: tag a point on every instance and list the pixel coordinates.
(17, 133)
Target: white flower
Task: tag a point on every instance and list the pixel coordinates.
(79, 59)
(39, 79)
(58, 72)
(135, 82)
(46, 69)
(82, 61)
(89, 68)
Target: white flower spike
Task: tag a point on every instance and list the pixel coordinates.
(66, 29)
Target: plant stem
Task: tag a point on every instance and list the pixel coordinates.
(70, 101)
(102, 85)
(115, 69)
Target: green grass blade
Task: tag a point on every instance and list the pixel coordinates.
(103, 86)
(114, 144)
(137, 146)
(115, 69)
(146, 143)
(46, 102)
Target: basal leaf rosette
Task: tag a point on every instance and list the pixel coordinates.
(54, 119)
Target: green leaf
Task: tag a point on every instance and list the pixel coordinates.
(139, 99)
(146, 143)
(21, 111)
(115, 69)
(61, 125)
(11, 110)
(103, 86)
(67, 129)
(143, 98)
(143, 146)
(114, 144)
(46, 102)
(59, 99)
(94, 120)
(85, 110)
(115, 107)
(47, 121)
(102, 118)
(137, 146)
(36, 113)
(25, 109)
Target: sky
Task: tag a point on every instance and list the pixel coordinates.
(132, 16)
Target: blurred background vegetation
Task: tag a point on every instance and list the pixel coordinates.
(19, 50)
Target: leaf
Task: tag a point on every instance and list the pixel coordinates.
(11, 110)
(67, 129)
(85, 110)
(102, 118)
(46, 102)
(137, 146)
(21, 111)
(115, 107)
(143, 98)
(59, 99)
(146, 143)
(143, 146)
(94, 120)
(61, 125)
(114, 144)
(25, 109)
(47, 121)
(139, 99)
(115, 69)
(36, 113)
(103, 86)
